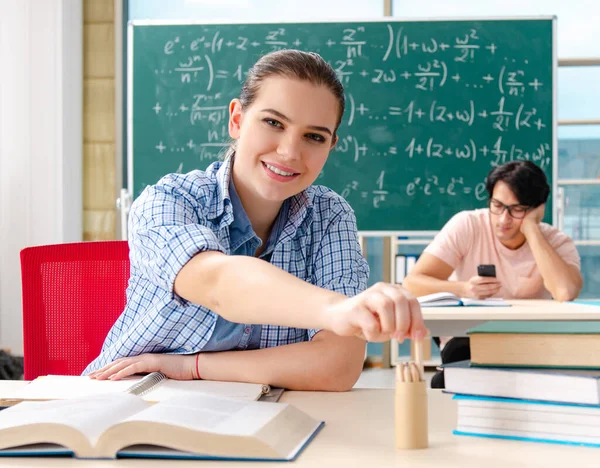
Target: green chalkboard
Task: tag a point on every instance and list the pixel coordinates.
(432, 106)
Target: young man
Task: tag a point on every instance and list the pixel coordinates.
(533, 260)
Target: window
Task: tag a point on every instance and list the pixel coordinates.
(579, 152)
(579, 92)
(578, 34)
(253, 10)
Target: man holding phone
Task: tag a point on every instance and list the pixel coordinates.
(486, 270)
(531, 259)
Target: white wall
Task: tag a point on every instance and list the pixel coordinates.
(40, 139)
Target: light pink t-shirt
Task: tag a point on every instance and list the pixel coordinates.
(468, 240)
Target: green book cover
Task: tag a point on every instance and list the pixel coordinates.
(538, 327)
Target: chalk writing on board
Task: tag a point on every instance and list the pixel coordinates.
(431, 107)
(455, 186)
(426, 76)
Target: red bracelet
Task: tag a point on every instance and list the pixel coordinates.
(197, 371)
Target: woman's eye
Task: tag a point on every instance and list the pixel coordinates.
(316, 137)
(273, 123)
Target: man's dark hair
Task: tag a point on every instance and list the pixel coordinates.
(527, 181)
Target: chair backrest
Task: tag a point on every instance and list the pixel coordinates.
(72, 295)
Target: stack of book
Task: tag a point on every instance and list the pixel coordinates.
(536, 381)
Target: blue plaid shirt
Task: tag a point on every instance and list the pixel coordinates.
(182, 215)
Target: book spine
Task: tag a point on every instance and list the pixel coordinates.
(400, 269)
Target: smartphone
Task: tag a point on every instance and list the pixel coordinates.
(486, 270)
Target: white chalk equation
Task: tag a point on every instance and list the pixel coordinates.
(194, 60)
(497, 153)
(499, 118)
(434, 74)
(452, 187)
(376, 193)
(376, 196)
(461, 47)
(430, 106)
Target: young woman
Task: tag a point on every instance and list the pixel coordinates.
(251, 241)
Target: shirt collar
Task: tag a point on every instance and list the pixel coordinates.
(240, 226)
(221, 203)
(300, 208)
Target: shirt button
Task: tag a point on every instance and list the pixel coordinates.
(247, 330)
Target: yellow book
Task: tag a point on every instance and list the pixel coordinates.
(536, 344)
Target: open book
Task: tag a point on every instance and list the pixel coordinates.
(153, 387)
(446, 299)
(190, 425)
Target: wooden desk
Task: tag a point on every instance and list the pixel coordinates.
(359, 432)
(454, 321)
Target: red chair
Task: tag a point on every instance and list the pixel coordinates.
(72, 295)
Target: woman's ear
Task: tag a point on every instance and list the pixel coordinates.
(235, 118)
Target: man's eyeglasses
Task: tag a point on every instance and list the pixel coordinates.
(516, 211)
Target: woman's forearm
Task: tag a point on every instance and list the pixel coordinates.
(248, 290)
(327, 363)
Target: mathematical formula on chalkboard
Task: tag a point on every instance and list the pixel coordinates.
(431, 107)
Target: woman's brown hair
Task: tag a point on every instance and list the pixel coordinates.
(295, 64)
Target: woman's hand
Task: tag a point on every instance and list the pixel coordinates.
(174, 366)
(382, 312)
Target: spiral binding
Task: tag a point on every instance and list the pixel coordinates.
(146, 384)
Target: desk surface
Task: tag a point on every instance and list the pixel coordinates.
(453, 321)
(359, 432)
(521, 309)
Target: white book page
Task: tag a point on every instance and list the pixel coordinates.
(58, 387)
(489, 302)
(174, 388)
(437, 297)
(441, 299)
(210, 414)
(91, 416)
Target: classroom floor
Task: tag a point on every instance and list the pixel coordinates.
(383, 378)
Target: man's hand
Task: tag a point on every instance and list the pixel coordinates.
(174, 366)
(533, 218)
(481, 287)
(382, 312)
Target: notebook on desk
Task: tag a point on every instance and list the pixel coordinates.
(154, 387)
(446, 299)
